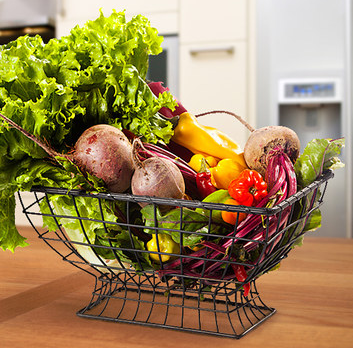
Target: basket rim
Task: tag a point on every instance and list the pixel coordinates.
(328, 174)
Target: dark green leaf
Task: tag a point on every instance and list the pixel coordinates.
(187, 224)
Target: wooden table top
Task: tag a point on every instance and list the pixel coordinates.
(312, 293)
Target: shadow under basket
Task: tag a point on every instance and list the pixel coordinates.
(194, 289)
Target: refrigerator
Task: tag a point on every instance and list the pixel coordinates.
(304, 74)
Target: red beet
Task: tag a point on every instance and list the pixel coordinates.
(105, 152)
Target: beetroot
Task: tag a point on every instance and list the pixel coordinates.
(105, 152)
(265, 142)
(156, 177)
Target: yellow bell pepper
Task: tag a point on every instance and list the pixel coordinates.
(196, 162)
(226, 170)
(166, 245)
(211, 161)
(205, 140)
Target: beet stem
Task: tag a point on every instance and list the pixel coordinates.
(239, 118)
(51, 152)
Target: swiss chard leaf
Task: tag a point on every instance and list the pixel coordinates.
(190, 225)
(318, 156)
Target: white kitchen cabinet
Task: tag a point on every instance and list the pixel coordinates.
(73, 9)
(162, 14)
(213, 21)
(217, 62)
(214, 77)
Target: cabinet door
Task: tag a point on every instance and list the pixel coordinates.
(162, 14)
(213, 21)
(214, 77)
(89, 9)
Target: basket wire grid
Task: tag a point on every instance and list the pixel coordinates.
(175, 297)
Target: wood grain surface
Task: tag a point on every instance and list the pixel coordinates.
(312, 292)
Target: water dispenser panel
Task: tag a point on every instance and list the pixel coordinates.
(309, 91)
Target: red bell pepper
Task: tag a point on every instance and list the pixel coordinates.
(248, 188)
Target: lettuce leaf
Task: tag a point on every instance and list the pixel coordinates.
(9, 236)
(57, 90)
(89, 229)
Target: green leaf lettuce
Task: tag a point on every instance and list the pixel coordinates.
(55, 91)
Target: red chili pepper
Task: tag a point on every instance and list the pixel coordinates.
(204, 184)
(203, 180)
(248, 188)
(241, 276)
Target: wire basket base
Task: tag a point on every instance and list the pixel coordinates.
(211, 290)
(221, 311)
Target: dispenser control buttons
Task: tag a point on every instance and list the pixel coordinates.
(311, 90)
(317, 90)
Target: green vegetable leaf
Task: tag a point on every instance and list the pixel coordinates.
(318, 156)
(194, 225)
(9, 238)
(81, 219)
(118, 244)
(314, 222)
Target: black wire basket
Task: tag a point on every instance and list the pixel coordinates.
(192, 289)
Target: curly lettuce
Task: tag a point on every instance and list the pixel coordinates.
(81, 218)
(57, 90)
